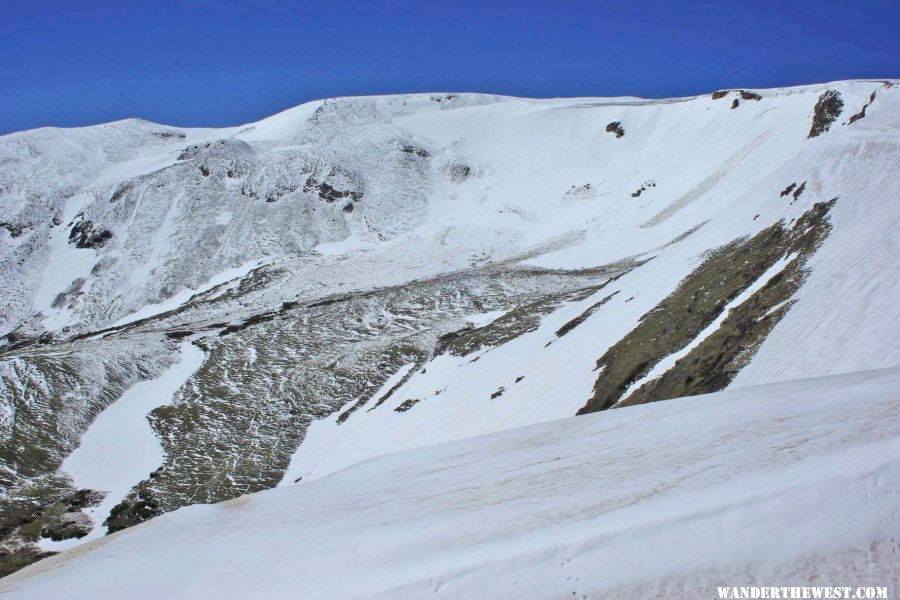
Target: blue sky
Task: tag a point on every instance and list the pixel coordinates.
(226, 62)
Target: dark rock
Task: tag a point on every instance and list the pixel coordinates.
(14, 229)
(102, 265)
(135, 508)
(13, 559)
(407, 404)
(445, 97)
(348, 208)
(84, 498)
(644, 187)
(16, 340)
(735, 104)
(410, 149)
(329, 193)
(444, 341)
(750, 95)
(697, 302)
(788, 190)
(861, 113)
(616, 128)
(570, 325)
(167, 135)
(720, 94)
(857, 116)
(85, 234)
(194, 150)
(55, 512)
(826, 112)
(69, 295)
(66, 526)
(177, 335)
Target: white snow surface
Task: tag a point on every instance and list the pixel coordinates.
(66, 264)
(543, 185)
(119, 449)
(543, 174)
(667, 498)
(231, 276)
(725, 181)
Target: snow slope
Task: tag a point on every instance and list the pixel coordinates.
(120, 449)
(370, 275)
(732, 488)
(728, 185)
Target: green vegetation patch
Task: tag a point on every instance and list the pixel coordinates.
(46, 507)
(518, 321)
(698, 301)
(569, 326)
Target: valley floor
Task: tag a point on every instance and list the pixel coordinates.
(784, 484)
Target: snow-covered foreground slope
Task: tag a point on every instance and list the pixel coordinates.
(219, 312)
(784, 484)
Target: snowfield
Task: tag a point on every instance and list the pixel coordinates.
(120, 449)
(784, 484)
(314, 301)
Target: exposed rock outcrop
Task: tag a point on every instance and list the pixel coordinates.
(826, 112)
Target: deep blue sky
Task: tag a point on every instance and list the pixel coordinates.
(203, 62)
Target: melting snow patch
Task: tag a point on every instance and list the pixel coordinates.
(119, 449)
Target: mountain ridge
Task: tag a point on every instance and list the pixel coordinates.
(605, 99)
(367, 275)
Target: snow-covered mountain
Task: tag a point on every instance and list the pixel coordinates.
(192, 315)
(769, 485)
